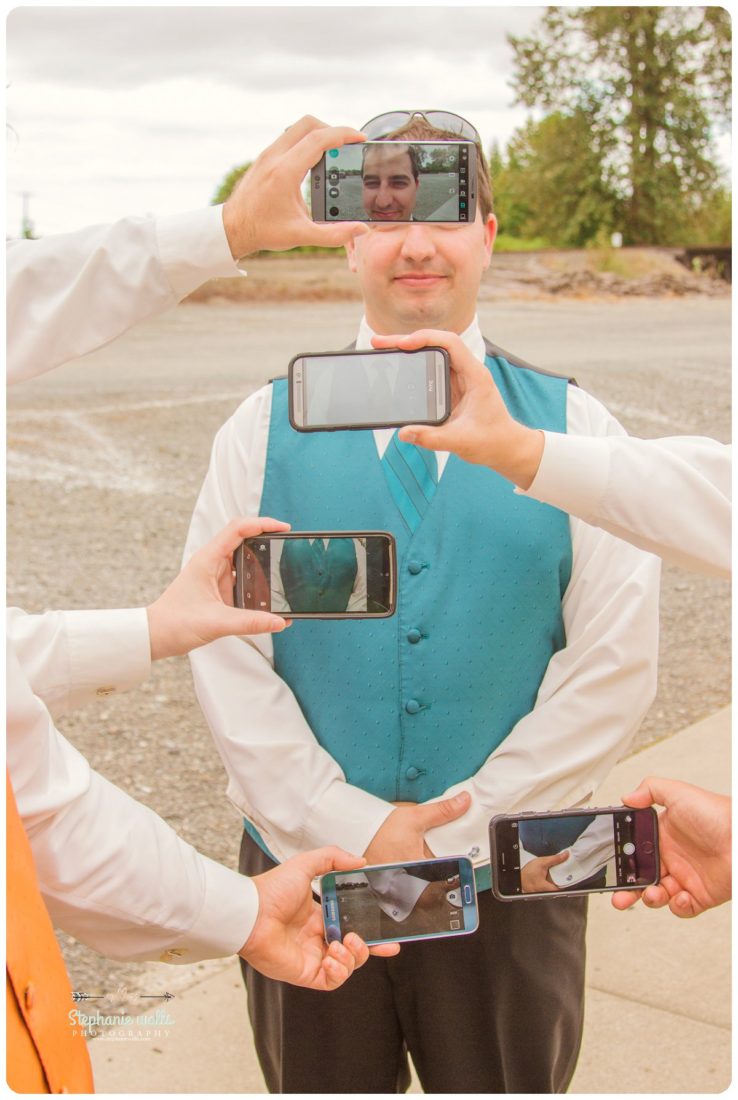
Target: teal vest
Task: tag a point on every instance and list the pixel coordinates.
(412, 704)
(318, 579)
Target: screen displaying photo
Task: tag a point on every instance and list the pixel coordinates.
(317, 575)
(577, 852)
(410, 900)
(394, 181)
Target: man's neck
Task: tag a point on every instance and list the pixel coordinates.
(472, 337)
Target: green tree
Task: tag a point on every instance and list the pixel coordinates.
(646, 78)
(555, 183)
(229, 181)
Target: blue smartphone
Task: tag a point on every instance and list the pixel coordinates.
(394, 902)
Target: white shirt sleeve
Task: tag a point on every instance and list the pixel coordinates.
(669, 496)
(111, 872)
(587, 855)
(72, 293)
(396, 891)
(280, 778)
(595, 692)
(358, 597)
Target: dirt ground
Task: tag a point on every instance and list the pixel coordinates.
(583, 274)
(106, 457)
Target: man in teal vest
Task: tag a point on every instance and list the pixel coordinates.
(517, 668)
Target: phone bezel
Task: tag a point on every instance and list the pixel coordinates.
(466, 878)
(319, 182)
(295, 401)
(392, 561)
(580, 812)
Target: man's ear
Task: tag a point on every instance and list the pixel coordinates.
(350, 247)
(490, 232)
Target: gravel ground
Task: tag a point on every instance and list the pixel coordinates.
(106, 457)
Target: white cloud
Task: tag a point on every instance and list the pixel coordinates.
(127, 110)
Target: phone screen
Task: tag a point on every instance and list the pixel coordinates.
(396, 181)
(428, 898)
(605, 850)
(356, 389)
(316, 574)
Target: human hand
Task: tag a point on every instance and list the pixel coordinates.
(266, 209)
(479, 429)
(287, 941)
(694, 844)
(197, 607)
(534, 876)
(401, 836)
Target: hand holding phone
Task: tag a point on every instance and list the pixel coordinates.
(569, 852)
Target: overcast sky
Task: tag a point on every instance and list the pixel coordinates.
(116, 111)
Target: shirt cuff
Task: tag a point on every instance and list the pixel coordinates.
(194, 248)
(573, 474)
(109, 651)
(226, 919)
(347, 816)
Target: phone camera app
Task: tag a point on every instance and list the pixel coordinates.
(333, 211)
(334, 192)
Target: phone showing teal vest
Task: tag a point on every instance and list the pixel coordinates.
(316, 577)
(412, 704)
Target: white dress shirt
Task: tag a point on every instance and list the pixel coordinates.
(592, 699)
(669, 496)
(111, 872)
(593, 849)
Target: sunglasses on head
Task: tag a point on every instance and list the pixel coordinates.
(381, 125)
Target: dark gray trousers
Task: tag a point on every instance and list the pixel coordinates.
(497, 1011)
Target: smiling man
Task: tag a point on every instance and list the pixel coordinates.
(390, 179)
(519, 665)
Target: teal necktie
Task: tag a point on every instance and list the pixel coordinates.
(412, 476)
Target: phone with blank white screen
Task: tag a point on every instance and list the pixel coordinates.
(340, 391)
(318, 574)
(393, 902)
(549, 855)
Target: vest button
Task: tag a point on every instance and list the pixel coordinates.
(412, 706)
(29, 996)
(414, 567)
(412, 773)
(414, 636)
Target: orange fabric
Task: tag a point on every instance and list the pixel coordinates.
(44, 1051)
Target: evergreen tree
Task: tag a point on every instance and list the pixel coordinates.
(646, 78)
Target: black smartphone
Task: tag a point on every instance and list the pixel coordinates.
(535, 855)
(396, 181)
(394, 902)
(318, 574)
(338, 391)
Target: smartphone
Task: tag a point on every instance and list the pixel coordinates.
(544, 855)
(318, 574)
(340, 391)
(394, 902)
(396, 181)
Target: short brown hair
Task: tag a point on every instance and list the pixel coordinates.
(420, 130)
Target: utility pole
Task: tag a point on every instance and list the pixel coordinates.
(26, 223)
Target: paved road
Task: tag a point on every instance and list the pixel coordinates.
(106, 457)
